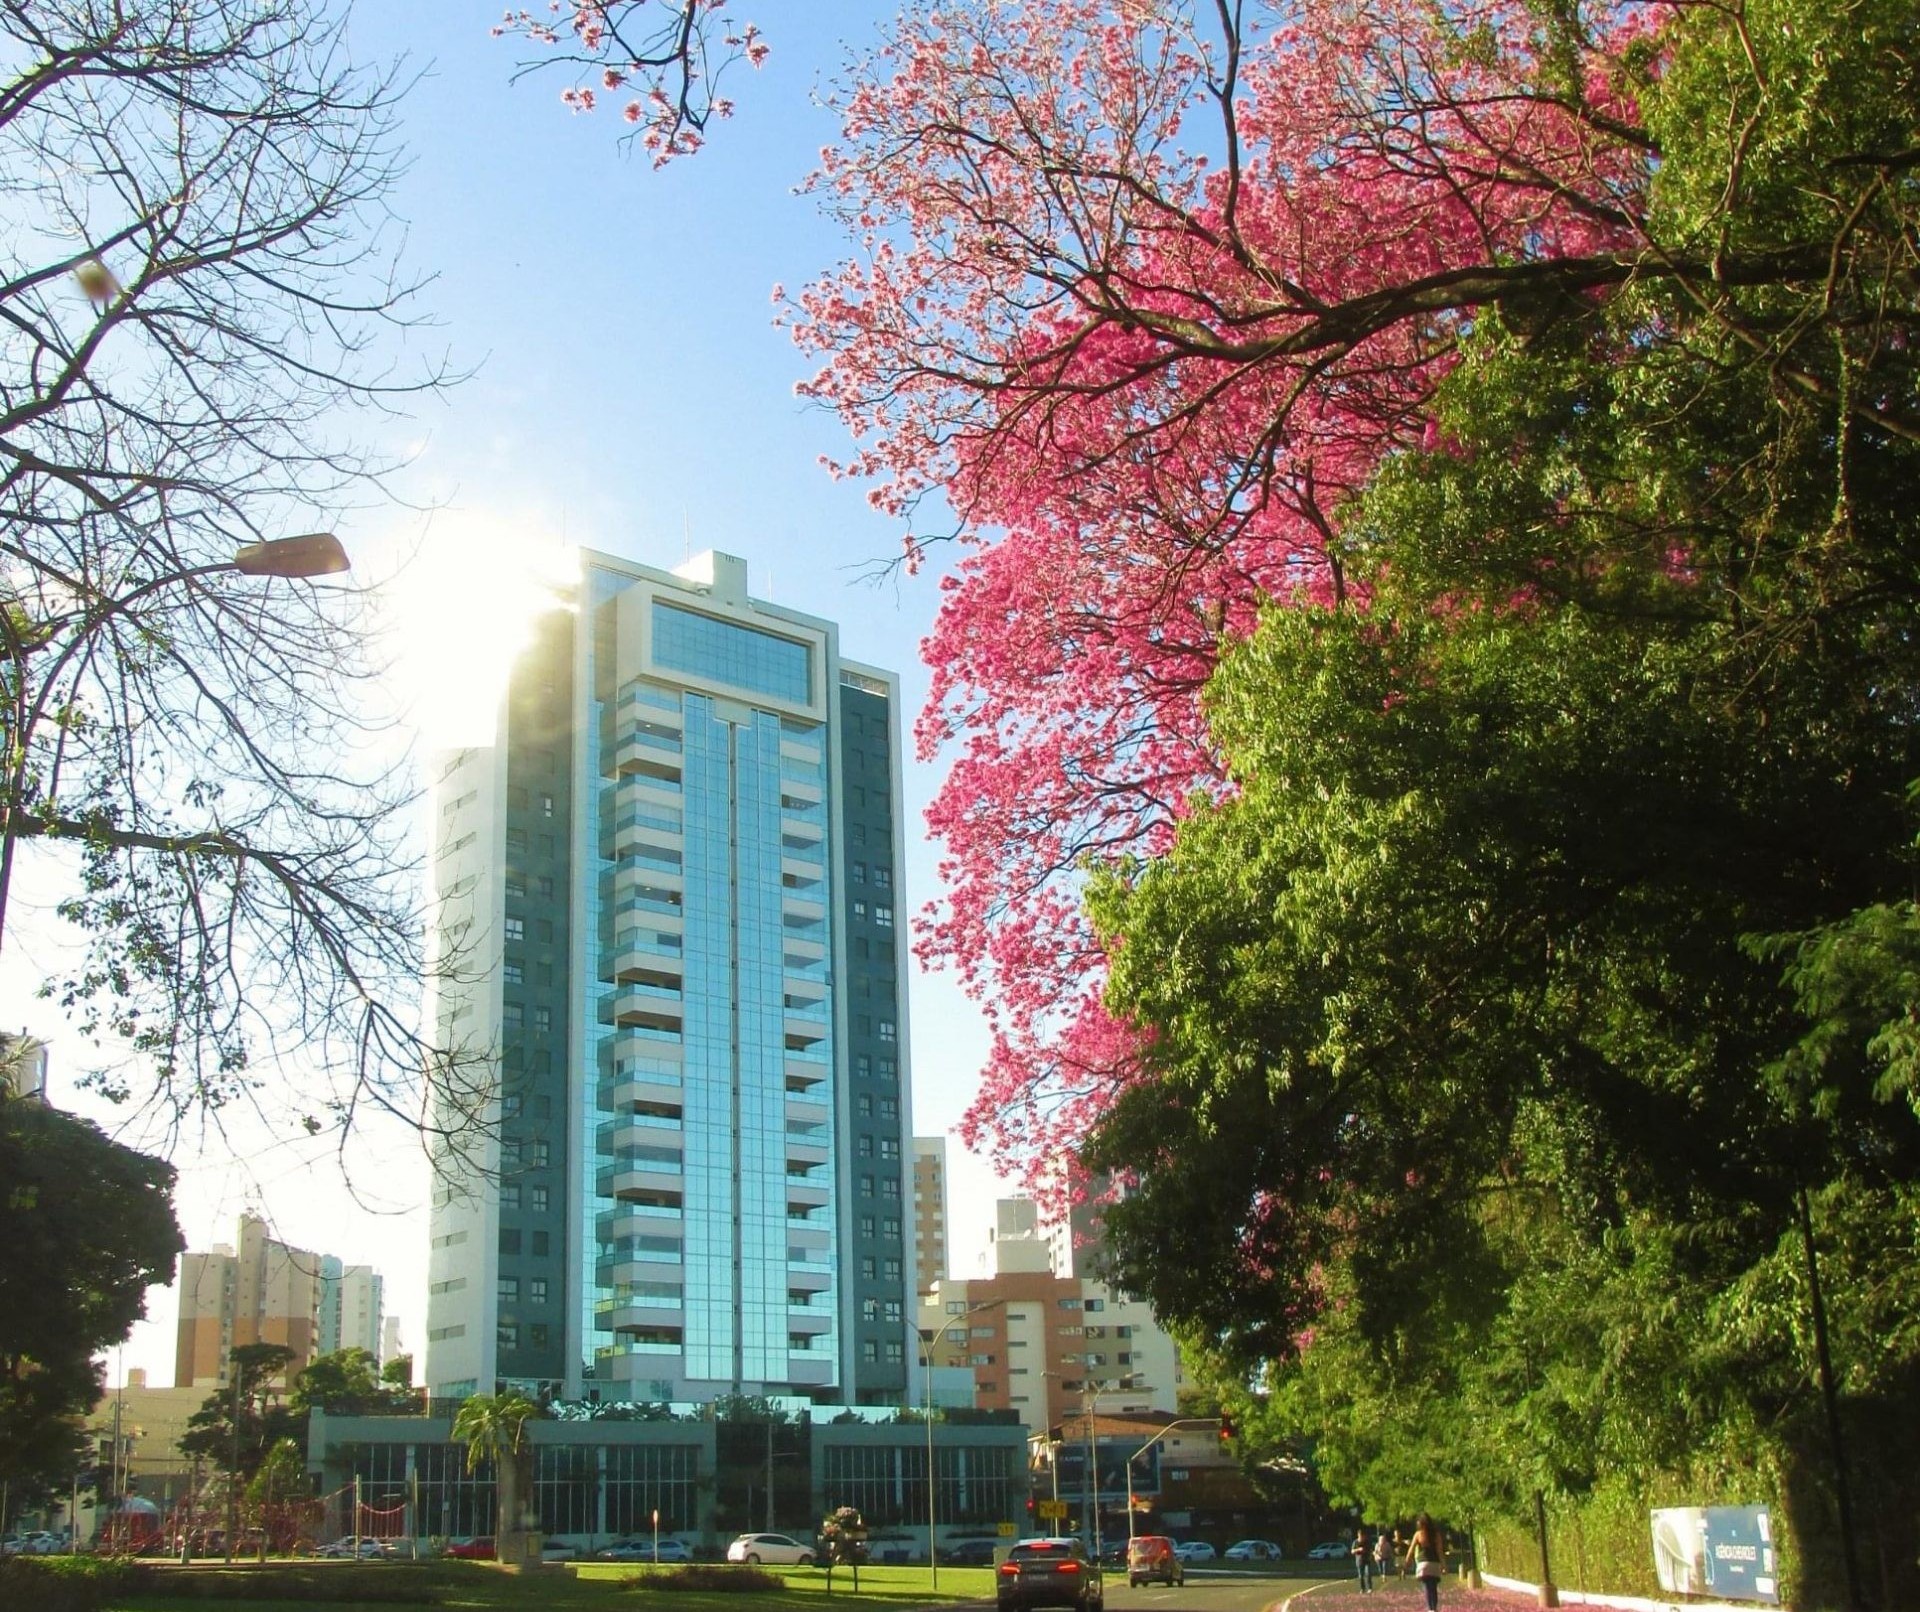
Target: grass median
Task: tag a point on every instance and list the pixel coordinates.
(586, 1587)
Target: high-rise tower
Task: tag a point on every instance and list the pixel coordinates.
(668, 904)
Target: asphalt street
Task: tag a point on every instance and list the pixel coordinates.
(1214, 1591)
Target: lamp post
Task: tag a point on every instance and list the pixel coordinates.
(312, 554)
(927, 1346)
(1184, 1421)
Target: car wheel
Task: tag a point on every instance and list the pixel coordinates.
(752, 1560)
(804, 1559)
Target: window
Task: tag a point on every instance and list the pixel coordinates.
(866, 1227)
(1069, 1304)
(513, 973)
(511, 1105)
(516, 929)
(540, 1199)
(980, 1360)
(866, 1268)
(859, 909)
(888, 1030)
(889, 1147)
(542, 1020)
(890, 1186)
(863, 1105)
(869, 1309)
(516, 886)
(509, 1241)
(537, 1335)
(510, 1195)
(859, 870)
(889, 1107)
(540, 1240)
(892, 1270)
(544, 885)
(890, 1228)
(536, 1155)
(889, 1070)
(869, 1351)
(1096, 1304)
(883, 876)
(894, 1351)
(507, 1290)
(513, 1015)
(507, 1335)
(864, 1147)
(957, 1306)
(866, 1186)
(883, 915)
(546, 805)
(863, 1066)
(891, 1309)
(537, 1290)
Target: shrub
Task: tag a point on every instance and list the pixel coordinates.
(701, 1576)
(65, 1583)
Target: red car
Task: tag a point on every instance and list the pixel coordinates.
(471, 1550)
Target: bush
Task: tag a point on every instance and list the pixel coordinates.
(65, 1583)
(704, 1577)
(363, 1584)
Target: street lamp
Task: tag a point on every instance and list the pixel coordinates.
(927, 1346)
(1185, 1421)
(311, 554)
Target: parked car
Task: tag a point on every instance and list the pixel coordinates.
(772, 1548)
(642, 1550)
(968, 1553)
(1255, 1550)
(1152, 1557)
(1050, 1572)
(557, 1550)
(1330, 1550)
(366, 1550)
(474, 1548)
(1195, 1550)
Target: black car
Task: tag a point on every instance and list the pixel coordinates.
(968, 1553)
(1050, 1572)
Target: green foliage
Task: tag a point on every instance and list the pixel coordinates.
(1558, 940)
(727, 1579)
(85, 1226)
(263, 1422)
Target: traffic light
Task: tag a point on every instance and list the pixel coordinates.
(1228, 1431)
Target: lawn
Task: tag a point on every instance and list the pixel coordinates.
(590, 1587)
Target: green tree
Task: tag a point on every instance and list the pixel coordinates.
(1482, 1120)
(346, 1381)
(494, 1429)
(240, 1423)
(86, 1225)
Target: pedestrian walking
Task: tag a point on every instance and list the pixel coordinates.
(1383, 1555)
(1427, 1555)
(1363, 1557)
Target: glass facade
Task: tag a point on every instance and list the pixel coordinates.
(742, 657)
(708, 1234)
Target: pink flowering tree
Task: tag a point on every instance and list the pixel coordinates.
(1144, 296)
(658, 61)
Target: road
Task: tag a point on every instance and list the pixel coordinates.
(1213, 1592)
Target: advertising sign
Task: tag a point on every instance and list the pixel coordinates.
(1110, 1463)
(1716, 1550)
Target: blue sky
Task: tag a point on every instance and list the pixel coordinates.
(630, 393)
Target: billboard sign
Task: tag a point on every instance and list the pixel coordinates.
(1716, 1550)
(1110, 1463)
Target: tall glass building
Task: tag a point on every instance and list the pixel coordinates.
(668, 905)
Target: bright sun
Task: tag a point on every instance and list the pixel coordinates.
(459, 609)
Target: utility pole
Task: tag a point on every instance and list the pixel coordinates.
(233, 1458)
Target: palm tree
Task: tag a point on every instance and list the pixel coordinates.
(494, 1428)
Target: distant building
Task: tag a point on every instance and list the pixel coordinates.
(391, 1348)
(1045, 1344)
(351, 1308)
(929, 1212)
(674, 887)
(23, 1066)
(262, 1290)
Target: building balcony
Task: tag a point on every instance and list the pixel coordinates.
(808, 1195)
(810, 1319)
(633, 885)
(619, 1272)
(810, 1371)
(639, 1315)
(618, 1136)
(651, 1184)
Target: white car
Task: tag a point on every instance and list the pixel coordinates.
(1330, 1550)
(1194, 1550)
(1255, 1550)
(773, 1548)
